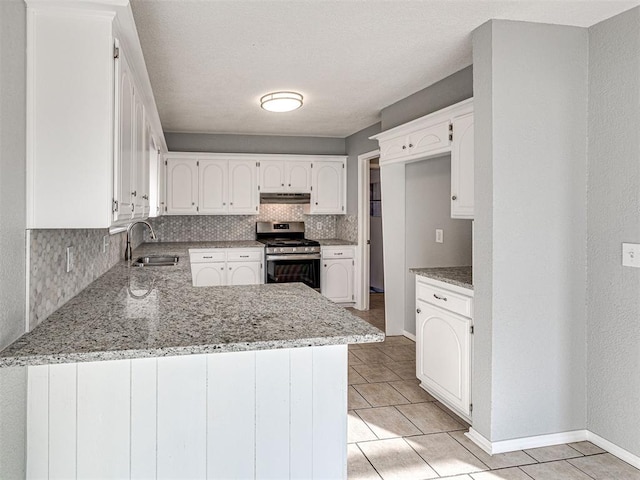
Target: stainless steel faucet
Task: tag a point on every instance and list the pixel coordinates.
(127, 251)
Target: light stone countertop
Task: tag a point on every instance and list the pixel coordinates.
(331, 242)
(134, 312)
(459, 276)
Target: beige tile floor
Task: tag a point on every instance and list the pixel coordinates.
(397, 431)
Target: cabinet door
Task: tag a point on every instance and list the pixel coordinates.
(147, 158)
(298, 177)
(327, 195)
(426, 140)
(462, 175)
(212, 186)
(393, 148)
(336, 280)
(244, 273)
(139, 159)
(243, 187)
(443, 356)
(123, 181)
(272, 176)
(208, 274)
(182, 186)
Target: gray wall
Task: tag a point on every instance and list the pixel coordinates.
(613, 291)
(12, 166)
(532, 90)
(428, 206)
(228, 143)
(12, 231)
(449, 90)
(357, 144)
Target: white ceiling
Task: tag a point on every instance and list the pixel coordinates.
(210, 61)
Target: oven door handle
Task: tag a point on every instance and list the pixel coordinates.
(302, 256)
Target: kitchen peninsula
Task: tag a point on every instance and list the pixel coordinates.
(142, 375)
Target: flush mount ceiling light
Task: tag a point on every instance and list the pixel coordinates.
(281, 101)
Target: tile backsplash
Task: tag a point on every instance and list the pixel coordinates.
(50, 286)
(183, 228)
(347, 227)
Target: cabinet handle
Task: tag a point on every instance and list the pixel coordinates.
(338, 253)
(411, 145)
(206, 257)
(439, 297)
(418, 310)
(454, 197)
(244, 256)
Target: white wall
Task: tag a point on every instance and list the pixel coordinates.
(12, 231)
(530, 255)
(613, 291)
(428, 206)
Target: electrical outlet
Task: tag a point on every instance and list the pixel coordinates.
(105, 243)
(69, 259)
(631, 255)
(439, 235)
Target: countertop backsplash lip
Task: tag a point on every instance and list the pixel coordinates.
(459, 276)
(168, 316)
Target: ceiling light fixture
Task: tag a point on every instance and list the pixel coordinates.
(281, 101)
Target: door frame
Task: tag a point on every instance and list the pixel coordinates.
(363, 248)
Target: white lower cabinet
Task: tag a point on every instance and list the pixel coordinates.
(444, 344)
(337, 274)
(222, 266)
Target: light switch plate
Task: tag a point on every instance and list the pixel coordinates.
(631, 255)
(439, 235)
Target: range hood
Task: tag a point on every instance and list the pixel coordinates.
(286, 198)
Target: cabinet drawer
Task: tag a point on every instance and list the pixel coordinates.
(340, 252)
(207, 256)
(244, 256)
(444, 299)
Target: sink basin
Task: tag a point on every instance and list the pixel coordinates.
(156, 261)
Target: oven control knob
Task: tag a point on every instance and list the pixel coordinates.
(306, 249)
(293, 249)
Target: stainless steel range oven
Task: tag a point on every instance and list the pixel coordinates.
(289, 257)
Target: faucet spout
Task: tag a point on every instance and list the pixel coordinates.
(127, 251)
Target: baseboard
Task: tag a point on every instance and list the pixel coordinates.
(410, 336)
(614, 449)
(526, 442)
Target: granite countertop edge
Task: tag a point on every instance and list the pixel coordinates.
(458, 276)
(82, 357)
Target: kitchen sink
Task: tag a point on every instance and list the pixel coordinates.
(155, 261)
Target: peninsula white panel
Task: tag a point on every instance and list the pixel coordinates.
(272, 414)
(301, 436)
(143, 417)
(231, 415)
(103, 419)
(62, 421)
(38, 422)
(329, 412)
(182, 417)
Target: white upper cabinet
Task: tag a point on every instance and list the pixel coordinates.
(414, 142)
(272, 176)
(285, 176)
(462, 174)
(141, 159)
(328, 187)
(182, 186)
(243, 187)
(123, 204)
(298, 177)
(212, 186)
(87, 158)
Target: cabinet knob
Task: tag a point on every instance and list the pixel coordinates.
(289, 184)
(411, 145)
(282, 185)
(325, 265)
(404, 147)
(193, 203)
(418, 311)
(221, 268)
(229, 268)
(230, 203)
(224, 203)
(454, 197)
(316, 203)
(134, 193)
